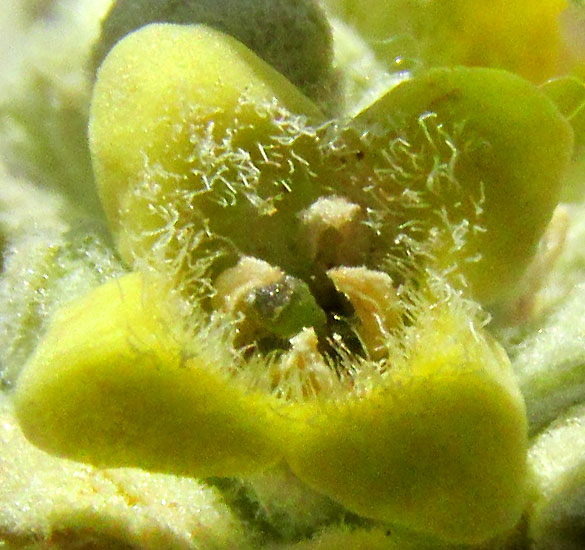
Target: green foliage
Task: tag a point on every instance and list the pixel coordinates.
(556, 458)
(46, 129)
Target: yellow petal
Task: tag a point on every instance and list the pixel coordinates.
(489, 153)
(438, 445)
(190, 130)
(111, 385)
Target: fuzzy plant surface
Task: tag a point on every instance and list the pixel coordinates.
(292, 275)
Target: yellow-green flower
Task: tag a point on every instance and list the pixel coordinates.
(307, 283)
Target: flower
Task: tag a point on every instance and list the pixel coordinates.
(307, 289)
